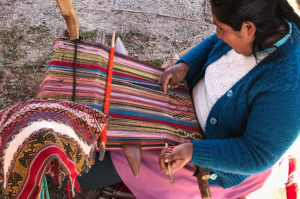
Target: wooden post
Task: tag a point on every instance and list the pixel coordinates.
(68, 12)
(202, 175)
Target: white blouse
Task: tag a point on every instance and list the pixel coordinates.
(219, 77)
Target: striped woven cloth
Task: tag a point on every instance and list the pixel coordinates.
(140, 112)
(46, 136)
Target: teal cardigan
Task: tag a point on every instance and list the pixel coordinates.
(252, 125)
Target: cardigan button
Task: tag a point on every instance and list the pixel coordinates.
(213, 176)
(213, 121)
(229, 93)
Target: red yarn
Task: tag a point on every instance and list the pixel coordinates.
(77, 186)
(68, 189)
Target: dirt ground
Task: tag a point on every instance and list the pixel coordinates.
(150, 30)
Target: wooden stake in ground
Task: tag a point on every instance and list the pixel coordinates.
(68, 12)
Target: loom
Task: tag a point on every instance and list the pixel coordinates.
(137, 122)
(141, 116)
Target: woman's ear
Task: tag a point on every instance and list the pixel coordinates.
(249, 28)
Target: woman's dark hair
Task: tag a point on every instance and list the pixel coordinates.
(267, 15)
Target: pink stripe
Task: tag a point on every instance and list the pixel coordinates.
(103, 53)
(97, 67)
(90, 49)
(120, 60)
(136, 65)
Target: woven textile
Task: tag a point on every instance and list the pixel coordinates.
(41, 135)
(140, 112)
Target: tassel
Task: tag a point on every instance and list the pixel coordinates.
(73, 191)
(68, 189)
(77, 186)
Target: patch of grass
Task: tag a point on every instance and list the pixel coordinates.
(157, 62)
(38, 29)
(43, 62)
(34, 68)
(27, 67)
(11, 39)
(1, 75)
(23, 74)
(5, 63)
(2, 106)
(37, 33)
(13, 94)
(88, 35)
(16, 38)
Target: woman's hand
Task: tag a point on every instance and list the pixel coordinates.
(179, 156)
(173, 75)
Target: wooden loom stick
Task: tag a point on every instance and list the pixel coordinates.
(133, 154)
(69, 14)
(103, 137)
(170, 169)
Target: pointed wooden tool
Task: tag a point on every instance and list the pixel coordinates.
(133, 153)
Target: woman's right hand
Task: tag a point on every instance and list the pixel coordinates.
(178, 157)
(173, 75)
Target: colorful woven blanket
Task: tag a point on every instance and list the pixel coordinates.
(140, 112)
(41, 135)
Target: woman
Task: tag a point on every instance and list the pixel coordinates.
(245, 85)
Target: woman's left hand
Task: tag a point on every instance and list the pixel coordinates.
(179, 156)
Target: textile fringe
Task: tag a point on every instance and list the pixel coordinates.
(77, 186)
(68, 189)
(74, 185)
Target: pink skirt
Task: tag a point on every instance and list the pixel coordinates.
(152, 183)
